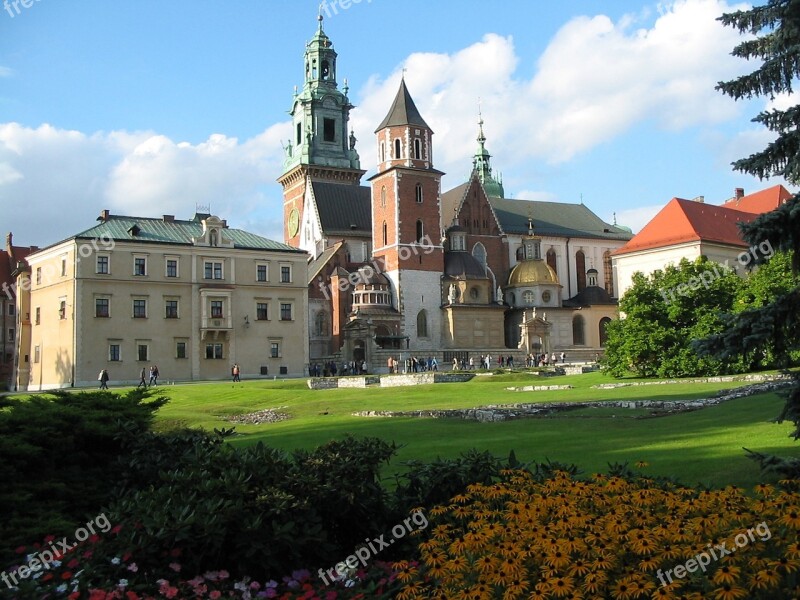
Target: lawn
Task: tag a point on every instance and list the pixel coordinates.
(702, 447)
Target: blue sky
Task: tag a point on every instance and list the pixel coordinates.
(153, 107)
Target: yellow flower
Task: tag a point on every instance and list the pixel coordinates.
(791, 517)
(726, 574)
(728, 592)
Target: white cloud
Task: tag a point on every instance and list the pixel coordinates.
(596, 80)
(636, 218)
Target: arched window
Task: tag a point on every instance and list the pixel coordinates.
(479, 252)
(592, 275)
(385, 231)
(417, 149)
(608, 273)
(383, 151)
(321, 324)
(422, 324)
(551, 260)
(578, 331)
(418, 192)
(603, 333)
(580, 270)
(527, 298)
(325, 70)
(420, 231)
(383, 196)
(397, 148)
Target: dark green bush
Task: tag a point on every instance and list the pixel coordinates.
(58, 456)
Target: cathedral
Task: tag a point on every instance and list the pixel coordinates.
(399, 266)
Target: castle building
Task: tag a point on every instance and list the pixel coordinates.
(193, 297)
(400, 266)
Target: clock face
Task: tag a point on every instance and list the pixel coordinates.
(294, 222)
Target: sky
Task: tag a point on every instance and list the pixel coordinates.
(151, 107)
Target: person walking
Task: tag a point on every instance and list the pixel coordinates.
(103, 379)
(142, 380)
(236, 373)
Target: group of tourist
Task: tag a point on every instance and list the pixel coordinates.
(412, 364)
(543, 360)
(331, 369)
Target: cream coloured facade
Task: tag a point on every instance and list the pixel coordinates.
(192, 297)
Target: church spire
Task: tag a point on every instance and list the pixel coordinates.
(482, 163)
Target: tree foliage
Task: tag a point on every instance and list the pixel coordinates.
(664, 312)
(775, 41)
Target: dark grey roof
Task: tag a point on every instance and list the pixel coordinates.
(553, 218)
(343, 209)
(462, 265)
(403, 111)
(590, 296)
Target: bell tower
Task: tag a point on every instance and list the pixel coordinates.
(406, 219)
(322, 148)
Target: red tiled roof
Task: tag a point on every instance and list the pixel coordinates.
(683, 221)
(764, 201)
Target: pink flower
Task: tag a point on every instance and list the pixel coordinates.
(175, 567)
(133, 567)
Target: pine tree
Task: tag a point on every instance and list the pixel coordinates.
(775, 27)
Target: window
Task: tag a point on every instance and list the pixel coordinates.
(321, 324)
(422, 324)
(180, 350)
(172, 267)
(11, 334)
(274, 349)
(140, 266)
(383, 151)
(213, 270)
(286, 311)
(383, 196)
(114, 353)
(10, 310)
(578, 337)
(527, 298)
(580, 269)
(102, 265)
(171, 308)
(62, 309)
(142, 352)
(474, 293)
(608, 273)
(385, 233)
(261, 273)
(417, 149)
(262, 311)
(604, 322)
(63, 266)
(37, 354)
(38, 275)
(418, 192)
(140, 309)
(299, 137)
(101, 307)
(286, 274)
(420, 230)
(216, 309)
(546, 296)
(551, 260)
(329, 130)
(38, 317)
(397, 148)
(591, 274)
(214, 351)
(479, 252)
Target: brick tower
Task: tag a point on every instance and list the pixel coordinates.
(406, 220)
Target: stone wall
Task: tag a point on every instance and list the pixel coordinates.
(424, 378)
(494, 413)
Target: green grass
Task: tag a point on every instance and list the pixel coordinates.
(703, 446)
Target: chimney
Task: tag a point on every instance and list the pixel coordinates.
(224, 223)
(104, 215)
(169, 218)
(10, 245)
(738, 193)
(700, 199)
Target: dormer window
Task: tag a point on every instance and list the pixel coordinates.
(591, 275)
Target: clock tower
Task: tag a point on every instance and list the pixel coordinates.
(321, 147)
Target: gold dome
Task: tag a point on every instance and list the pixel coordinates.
(531, 272)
